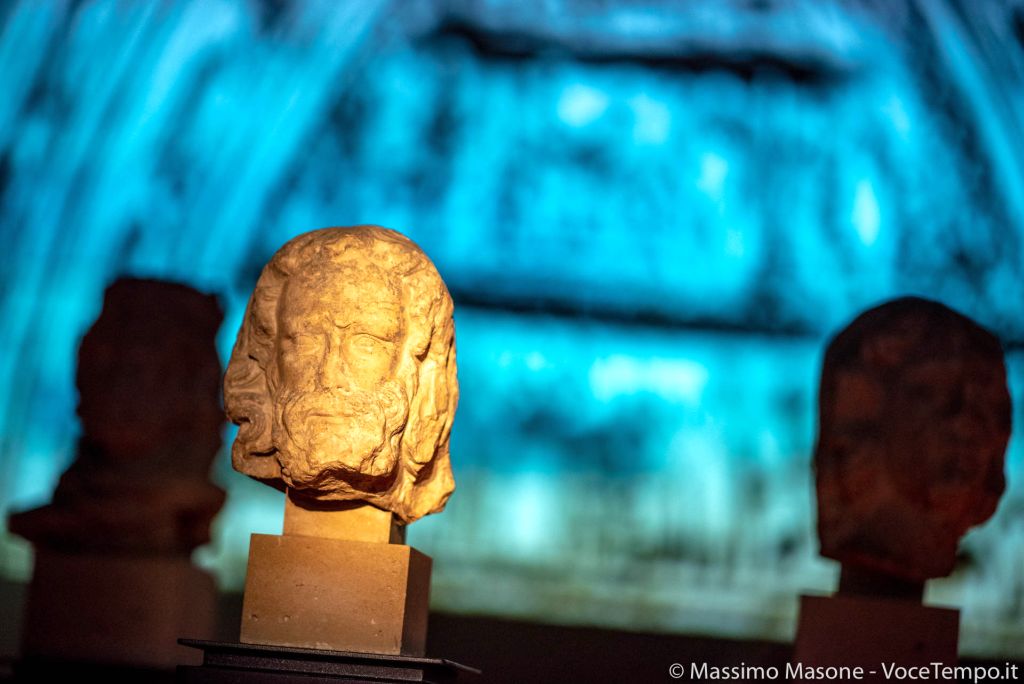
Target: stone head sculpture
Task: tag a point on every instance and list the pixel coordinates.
(914, 421)
(342, 379)
(149, 375)
(148, 381)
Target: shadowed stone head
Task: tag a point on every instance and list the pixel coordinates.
(914, 422)
(149, 376)
(342, 379)
(148, 381)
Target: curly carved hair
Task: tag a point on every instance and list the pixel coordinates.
(427, 367)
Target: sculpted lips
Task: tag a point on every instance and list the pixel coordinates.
(332, 405)
(337, 435)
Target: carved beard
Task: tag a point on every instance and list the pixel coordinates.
(339, 439)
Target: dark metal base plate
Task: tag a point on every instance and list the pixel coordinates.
(225, 663)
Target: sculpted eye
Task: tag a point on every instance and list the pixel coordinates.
(365, 343)
(261, 329)
(300, 342)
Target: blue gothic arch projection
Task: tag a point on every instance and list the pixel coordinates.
(650, 215)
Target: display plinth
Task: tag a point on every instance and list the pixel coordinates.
(867, 631)
(342, 595)
(116, 610)
(230, 663)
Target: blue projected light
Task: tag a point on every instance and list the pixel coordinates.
(866, 213)
(650, 218)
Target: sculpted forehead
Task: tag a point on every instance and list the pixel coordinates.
(341, 297)
(940, 385)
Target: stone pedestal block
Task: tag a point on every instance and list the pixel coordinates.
(116, 610)
(335, 594)
(856, 630)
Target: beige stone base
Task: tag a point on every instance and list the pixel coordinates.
(336, 594)
(117, 610)
(856, 630)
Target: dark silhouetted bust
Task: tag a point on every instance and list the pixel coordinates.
(914, 422)
(148, 381)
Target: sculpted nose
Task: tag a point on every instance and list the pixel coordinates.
(333, 369)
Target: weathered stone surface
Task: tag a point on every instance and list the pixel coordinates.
(148, 379)
(336, 594)
(914, 422)
(342, 379)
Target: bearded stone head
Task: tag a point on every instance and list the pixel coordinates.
(342, 380)
(914, 421)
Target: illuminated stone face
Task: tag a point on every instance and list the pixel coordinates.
(914, 422)
(343, 376)
(337, 406)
